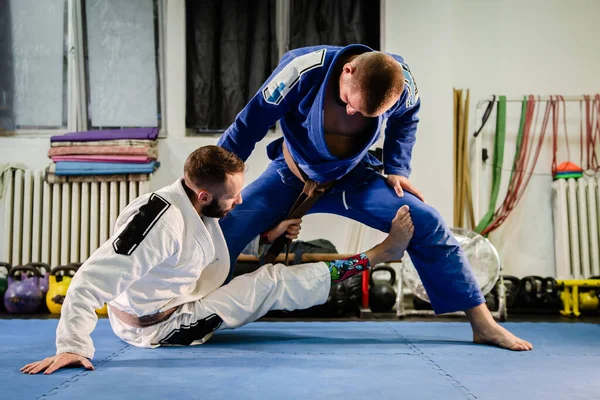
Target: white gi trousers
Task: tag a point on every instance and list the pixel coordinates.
(243, 300)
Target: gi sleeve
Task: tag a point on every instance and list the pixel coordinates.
(283, 89)
(143, 242)
(401, 129)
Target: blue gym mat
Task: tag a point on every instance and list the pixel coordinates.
(314, 360)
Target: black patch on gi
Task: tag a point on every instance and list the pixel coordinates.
(186, 334)
(137, 229)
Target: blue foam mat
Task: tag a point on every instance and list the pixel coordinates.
(314, 360)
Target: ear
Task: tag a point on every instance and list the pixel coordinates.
(349, 68)
(204, 197)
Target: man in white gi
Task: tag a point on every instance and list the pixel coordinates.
(162, 271)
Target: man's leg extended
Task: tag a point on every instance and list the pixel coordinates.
(442, 265)
(435, 252)
(276, 287)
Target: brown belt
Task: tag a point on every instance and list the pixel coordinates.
(310, 194)
(143, 321)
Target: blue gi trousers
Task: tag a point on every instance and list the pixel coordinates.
(362, 195)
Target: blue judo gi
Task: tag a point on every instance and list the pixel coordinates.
(294, 94)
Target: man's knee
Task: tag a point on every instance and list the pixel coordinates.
(272, 274)
(426, 220)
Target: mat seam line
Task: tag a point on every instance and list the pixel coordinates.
(75, 378)
(440, 371)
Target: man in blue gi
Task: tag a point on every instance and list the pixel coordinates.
(331, 103)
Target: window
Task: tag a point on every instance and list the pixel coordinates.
(234, 45)
(33, 91)
(80, 65)
(121, 63)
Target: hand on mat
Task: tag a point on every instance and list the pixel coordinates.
(401, 183)
(61, 360)
(291, 226)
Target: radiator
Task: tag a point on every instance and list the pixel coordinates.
(60, 223)
(576, 206)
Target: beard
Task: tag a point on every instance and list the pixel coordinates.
(214, 210)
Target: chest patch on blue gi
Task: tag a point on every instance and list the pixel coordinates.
(411, 84)
(290, 75)
(139, 226)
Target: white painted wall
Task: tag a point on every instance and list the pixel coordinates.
(550, 47)
(516, 48)
(508, 47)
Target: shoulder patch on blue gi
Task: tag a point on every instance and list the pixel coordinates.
(290, 75)
(411, 84)
(139, 226)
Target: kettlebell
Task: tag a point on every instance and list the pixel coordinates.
(60, 279)
(491, 301)
(23, 294)
(550, 298)
(4, 269)
(102, 311)
(420, 304)
(44, 270)
(529, 290)
(382, 295)
(511, 284)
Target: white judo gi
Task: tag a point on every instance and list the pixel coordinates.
(163, 255)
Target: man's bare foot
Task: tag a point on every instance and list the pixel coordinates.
(487, 331)
(393, 246)
(499, 336)
(400, 234)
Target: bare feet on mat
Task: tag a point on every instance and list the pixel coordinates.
(499, 336)
(487, 331)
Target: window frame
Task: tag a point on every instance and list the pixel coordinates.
(77, 77)
(32, 132)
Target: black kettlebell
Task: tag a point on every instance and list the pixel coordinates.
(511, 285)
(550, 298)
(491, 301)
(530, 291)
(420, 304)
(382, 295)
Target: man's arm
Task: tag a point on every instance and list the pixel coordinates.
(142, 243)
(399, 141)
(104, 276)
(282, 91)
(401, 129)
(257, 246)
(400, 132)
